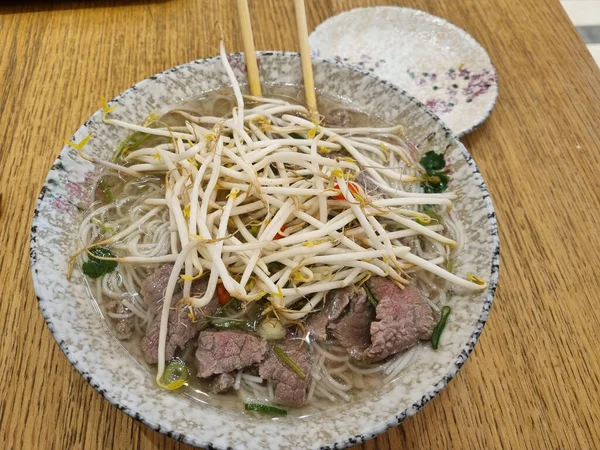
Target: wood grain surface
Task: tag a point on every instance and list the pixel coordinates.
(533, 380)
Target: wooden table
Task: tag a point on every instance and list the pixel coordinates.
(534, 379)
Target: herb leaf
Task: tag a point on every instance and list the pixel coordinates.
(233, 323)
(284, 358)
(370, 296)
(437, 182)
(437, 179)
(94, 267)
(432, 213)
(437, 331)
(432, 161)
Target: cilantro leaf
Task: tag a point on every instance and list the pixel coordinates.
(437, 178)
(94, 267)
(434, 186)
(432, 161)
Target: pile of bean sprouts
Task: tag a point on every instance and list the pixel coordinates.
(231, 196)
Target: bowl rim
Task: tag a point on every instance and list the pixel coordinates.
(382, 426)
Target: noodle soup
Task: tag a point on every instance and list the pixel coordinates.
(293, 265)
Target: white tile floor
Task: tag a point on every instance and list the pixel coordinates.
(585, 14)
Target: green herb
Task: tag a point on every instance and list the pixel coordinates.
(436, 183)
(432, 161)
(265, 409)
(221, 309)
(437, 331)
(254, 229)
(284, 358)
(218, 321)
(234, 323)
(431, 213)
(370, 296)
(176, 372)
(108, 195)
(129, 143)
(436, 180)
(104, 229)
(94, 267)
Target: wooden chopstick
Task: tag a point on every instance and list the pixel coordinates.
(249, 50)
(307, 73)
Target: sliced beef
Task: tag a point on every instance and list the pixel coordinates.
(403, 318)
(227, 350)
(352, 329)
(289, 387)
(180, 330)
(123, 325)
(182, 326)
(316, 325)
(153, 288)
(221, 383)
(335, 304)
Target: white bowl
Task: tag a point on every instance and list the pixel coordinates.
(81, 332)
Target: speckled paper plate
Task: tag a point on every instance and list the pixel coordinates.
(433, 60)
(77, 325)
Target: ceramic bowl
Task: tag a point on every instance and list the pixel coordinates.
(82, 333)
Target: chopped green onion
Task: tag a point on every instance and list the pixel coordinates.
(254, 229)
(265, 409)
(106, 191)
(104, 229)
(437, 331)
(129, 143)
(370, 296)
(176, 374)
(284, 358)
(233, 323)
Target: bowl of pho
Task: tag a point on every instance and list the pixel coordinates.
(235, 272)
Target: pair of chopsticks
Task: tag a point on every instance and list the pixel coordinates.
(250, 53)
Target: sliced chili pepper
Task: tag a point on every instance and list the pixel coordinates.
(279, 235)
(223, 295)
(352, 187)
